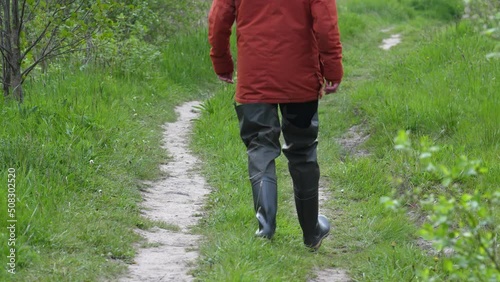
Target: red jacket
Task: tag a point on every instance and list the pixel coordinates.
(285, 47)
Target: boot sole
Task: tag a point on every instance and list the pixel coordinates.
(259, 234)
(316, 247)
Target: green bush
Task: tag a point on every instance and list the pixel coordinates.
(463, 227)
(439, 9)
(485, 16)
(389, 10)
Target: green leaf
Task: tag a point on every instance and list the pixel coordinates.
(466, 197)
(448, 265)
(446, 181)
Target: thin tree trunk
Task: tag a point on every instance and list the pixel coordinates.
(6, 77)
(5, 40)
(16, 53)
(11, 43)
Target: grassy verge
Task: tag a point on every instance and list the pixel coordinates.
(79, 145)
(437, 83)
(445, 89)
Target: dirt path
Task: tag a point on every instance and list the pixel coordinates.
(331, 275)
(328, 274)
(390, 42)
(351, 143)
(174, 200)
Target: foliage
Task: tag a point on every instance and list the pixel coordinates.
(32, 32)
(440, 9)
(436, 83)
(132, 33)
(77, 216)
(445, 10)
(485, 15)
(464, 224)
(391, 10)
(174, 16)
(125, 34)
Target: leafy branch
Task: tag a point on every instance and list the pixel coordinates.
(464, 223)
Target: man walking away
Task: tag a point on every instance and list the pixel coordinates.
(289, 55)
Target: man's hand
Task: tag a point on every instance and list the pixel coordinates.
(227, 77)
(331, 87)
(328, 88)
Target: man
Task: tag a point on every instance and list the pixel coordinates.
(289, 55)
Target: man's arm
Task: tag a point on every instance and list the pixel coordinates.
(220, 22)
(327, 35)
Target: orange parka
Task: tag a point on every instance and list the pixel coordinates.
(286, 48)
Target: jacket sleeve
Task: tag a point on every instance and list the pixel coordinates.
(220, 21)
(326, 30)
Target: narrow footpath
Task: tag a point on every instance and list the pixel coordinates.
(175, 200)
(350, 142)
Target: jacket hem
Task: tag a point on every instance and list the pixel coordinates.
(275, 101)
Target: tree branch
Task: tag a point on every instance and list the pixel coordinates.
(32, 13)
(23, 8)
(50, 54)
(38, 39)
(54, 31)
(5, 56)
(3, 48)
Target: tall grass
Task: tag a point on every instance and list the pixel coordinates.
(80, 144)
(445, 89)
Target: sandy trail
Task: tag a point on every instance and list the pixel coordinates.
(175, 200)
(390, 42)
(328, 274)
(351, 143)
(331, 275)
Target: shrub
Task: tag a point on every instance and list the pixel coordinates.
(391, 10)
(463, 223)
(440, 9)
(485, 15)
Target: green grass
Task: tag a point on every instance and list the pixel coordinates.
(80, 144)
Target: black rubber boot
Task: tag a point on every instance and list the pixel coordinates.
(265, 196)
(260, 131)
(300, 130)
(314, 227)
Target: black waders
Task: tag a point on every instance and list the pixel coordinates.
(260, 130)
